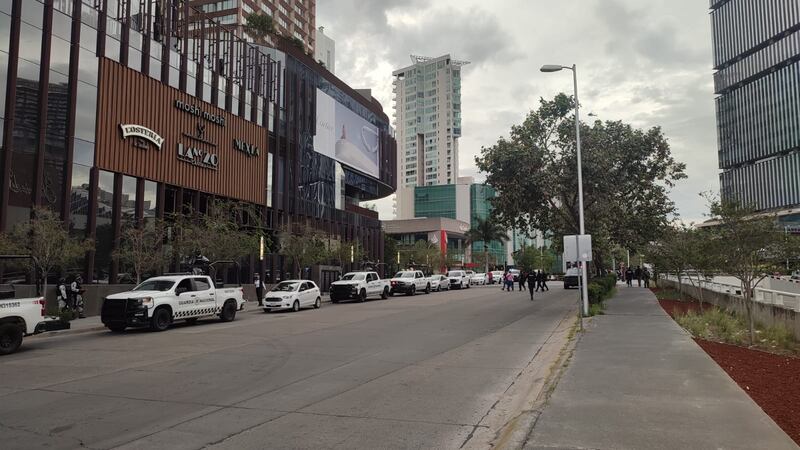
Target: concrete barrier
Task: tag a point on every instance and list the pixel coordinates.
(765, 314)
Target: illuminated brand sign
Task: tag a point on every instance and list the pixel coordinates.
(198, 157)
(139, 132)
(199, 112)
(244, 147)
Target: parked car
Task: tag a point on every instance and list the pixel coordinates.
(359, 286)
(409, 282)
(439, 282)
(159, 301)
(469, 273)
(293, 294)
(458, 279)
(572, 278)
(497, 276)
(478, 278)
(20, 317)
(515, 273)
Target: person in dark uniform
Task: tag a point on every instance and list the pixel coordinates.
(646, 277)
(521, 280)
(638, 275)
(532, 277)
(259, 289)
(543, 281)
(629, 277)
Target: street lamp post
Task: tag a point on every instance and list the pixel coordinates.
(556, 68)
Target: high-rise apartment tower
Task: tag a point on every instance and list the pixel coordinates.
(756, 54)
(427, 114)
(292, 18)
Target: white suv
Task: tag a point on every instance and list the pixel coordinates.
(458, 279)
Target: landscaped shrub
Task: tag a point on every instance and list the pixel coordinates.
(601, 288)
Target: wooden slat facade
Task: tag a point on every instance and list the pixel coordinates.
(126, 96)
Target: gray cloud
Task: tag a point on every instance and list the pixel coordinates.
(648, 63)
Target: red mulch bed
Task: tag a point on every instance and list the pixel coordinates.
(772, 381)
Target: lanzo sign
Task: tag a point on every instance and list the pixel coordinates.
(141, 132)
(198, 157)
(197, 111)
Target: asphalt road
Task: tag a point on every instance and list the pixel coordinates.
(407, 372)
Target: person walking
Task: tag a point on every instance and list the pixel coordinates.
(502, 281)
(646, 277)
(629, 277)
(76, 291)
(521, 279)
(510, 282)
(543, 281)
(531, 279)
(259, 289)
(638, 275)
(62, 294)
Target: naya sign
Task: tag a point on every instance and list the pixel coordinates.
(139, 132)
(244, 147)
(198, 157)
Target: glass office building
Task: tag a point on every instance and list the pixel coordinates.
(757, 79)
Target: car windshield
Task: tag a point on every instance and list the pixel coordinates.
(354, 276)
(286, 286)
(404, 275)
(155, 285)
(455, 273)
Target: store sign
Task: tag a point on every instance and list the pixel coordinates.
(198, 157)
(244, 147)
(199, 112)
(141, 133)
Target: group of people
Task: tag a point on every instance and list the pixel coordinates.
(535, 279)
(70, 297)
(639, 274)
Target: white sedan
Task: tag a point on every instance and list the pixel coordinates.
(293, 294)
(478, 278)
(440, 282)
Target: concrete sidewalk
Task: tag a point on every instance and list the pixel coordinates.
(638, 381)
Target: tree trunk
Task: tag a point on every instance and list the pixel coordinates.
(486, 258)
(748, 295)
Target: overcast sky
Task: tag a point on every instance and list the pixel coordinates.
(643, 62)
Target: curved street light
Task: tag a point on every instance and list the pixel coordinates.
(548, 68)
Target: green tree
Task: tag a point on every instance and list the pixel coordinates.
(141, 248)
(627, 175)
(390, 248)
(45, 238)
(227, 231)
(343, 251)
(259, 26)
(305, 246)
(484, 232)
(422, 254)
(751, 246)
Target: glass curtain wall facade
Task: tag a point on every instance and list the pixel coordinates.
(757, 79)
(481, 208)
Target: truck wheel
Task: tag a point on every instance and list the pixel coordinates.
(10, 338)
(385, 293)
(160, 320)
(362, 296)
(413, 290)
(428, 288)
(117, 327)
(296, 306)
(228, 311)
(318, 303)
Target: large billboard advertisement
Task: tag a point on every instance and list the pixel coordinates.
(345, 136)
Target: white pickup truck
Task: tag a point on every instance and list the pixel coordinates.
(21, 317)
(409, 282)
(159, 301)
(359, 286)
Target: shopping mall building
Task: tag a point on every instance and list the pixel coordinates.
(119, 110)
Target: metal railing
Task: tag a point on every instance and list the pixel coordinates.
(789, 300)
